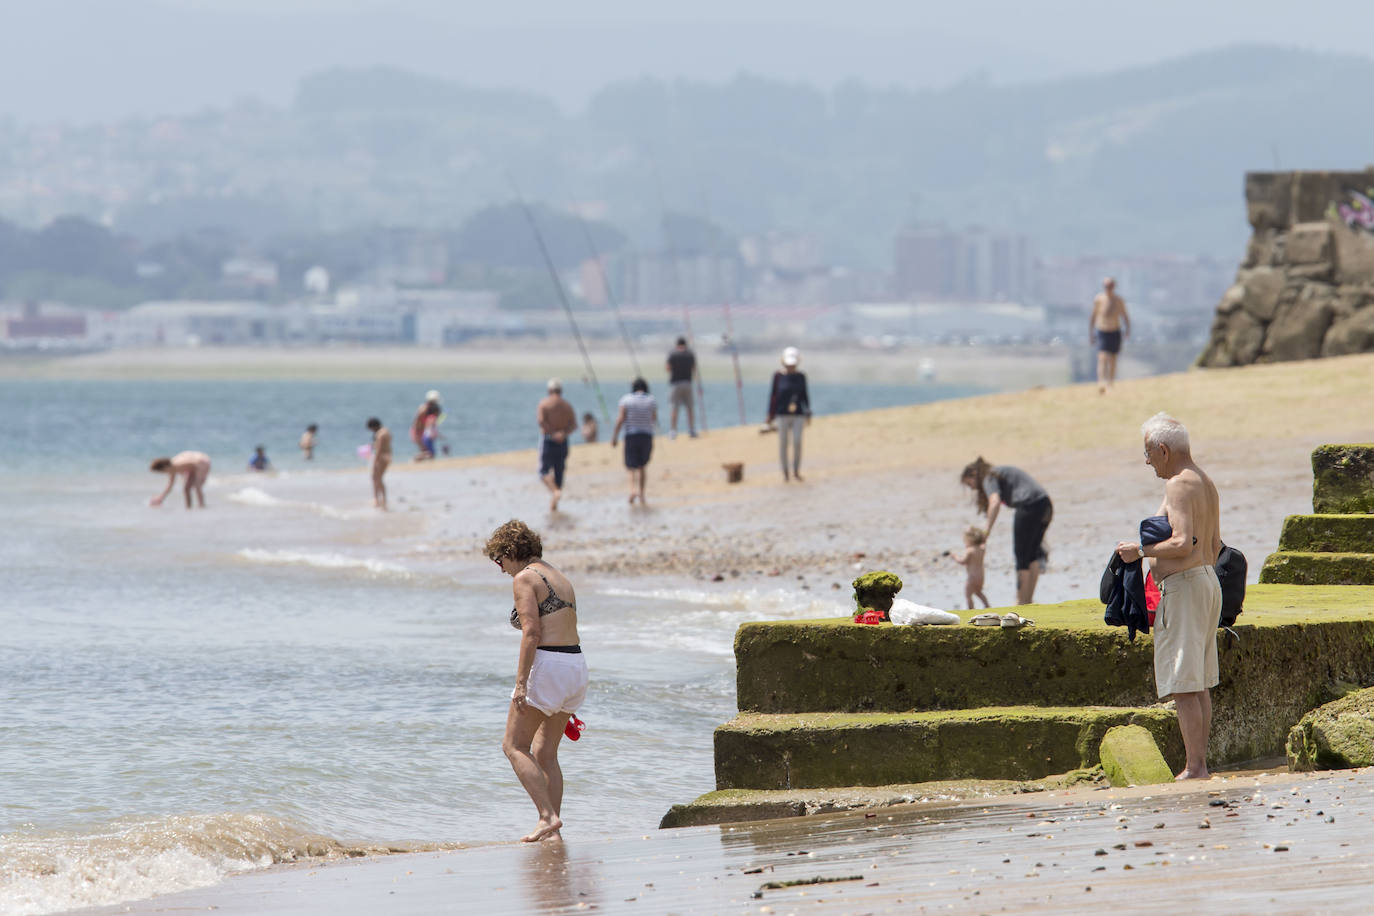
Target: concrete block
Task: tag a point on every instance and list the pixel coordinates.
(1337, 736)
(1328, 534)
(1293, 567)
(1130, 757)
(1343, 479)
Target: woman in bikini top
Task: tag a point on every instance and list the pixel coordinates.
(546, 607)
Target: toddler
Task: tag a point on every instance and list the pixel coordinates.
(972, 560)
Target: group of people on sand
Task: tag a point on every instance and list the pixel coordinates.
(789, 411)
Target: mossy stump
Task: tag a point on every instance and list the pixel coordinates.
(1130, 757)
(1291, 567)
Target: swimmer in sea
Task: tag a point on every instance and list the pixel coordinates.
(381, 460)
(196, 467)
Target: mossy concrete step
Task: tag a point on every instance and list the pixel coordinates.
(1328, 534)
(1292, 643)
(1343, 479)
(1293, 567)
(815, 750)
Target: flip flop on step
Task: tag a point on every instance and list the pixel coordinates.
(1015, 621)
(986, 620)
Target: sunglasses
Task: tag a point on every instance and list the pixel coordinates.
(498, 561)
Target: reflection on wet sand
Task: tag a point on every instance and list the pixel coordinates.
(553, 881)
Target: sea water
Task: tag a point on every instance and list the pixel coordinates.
(184, 694)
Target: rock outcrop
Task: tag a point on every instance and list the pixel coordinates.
(1336, 736)
(1306, 286)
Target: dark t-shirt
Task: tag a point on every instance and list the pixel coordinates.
(1013, 486)
(680, 365)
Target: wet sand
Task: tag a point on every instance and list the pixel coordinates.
(1237, 844)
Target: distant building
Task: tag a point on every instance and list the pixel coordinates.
(659, 279)
(37, 323)
(252, 274)
(934, 263)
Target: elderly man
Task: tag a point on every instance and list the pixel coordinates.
(1185, 628)
(557, 420)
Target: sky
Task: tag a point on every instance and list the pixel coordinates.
(93, 60)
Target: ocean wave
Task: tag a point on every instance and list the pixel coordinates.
(321, 561)
(745, 603)
(253, 496)
(127, 861)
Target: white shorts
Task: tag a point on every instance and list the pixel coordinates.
(558, 682)
(1185, 631)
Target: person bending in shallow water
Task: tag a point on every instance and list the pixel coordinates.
(550, 671)
(196, 467)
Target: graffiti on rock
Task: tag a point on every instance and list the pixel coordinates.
(1357, 211)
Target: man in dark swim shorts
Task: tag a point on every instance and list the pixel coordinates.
(1107, 326)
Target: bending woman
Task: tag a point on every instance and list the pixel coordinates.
(1034, 511)
(550, 674)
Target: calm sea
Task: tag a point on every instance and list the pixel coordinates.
(186, 695)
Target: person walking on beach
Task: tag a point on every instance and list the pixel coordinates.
(681, 366)
(550, 670)
(557, 420)
(430, 408)
(196, 468)
(590, 430)
(789, 408)
(1107, 326)
(307, 443)
(638, 416)
(972, 560)
(1184, 568)
(381, 460)
(1004, 484)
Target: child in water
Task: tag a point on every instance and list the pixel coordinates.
(259, 462)
(589, 431)
(308, 441)
(972, 560)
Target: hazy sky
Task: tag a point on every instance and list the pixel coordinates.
(95, 59)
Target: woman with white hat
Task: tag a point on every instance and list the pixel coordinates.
(789, 408)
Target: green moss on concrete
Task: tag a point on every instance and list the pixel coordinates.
(842, 749)
(1336, 736)
(734, 805)
(1130, 757)
(1328, 534)
(1302, 568)
(876, 590)
(1293, 641)
(1343, 479)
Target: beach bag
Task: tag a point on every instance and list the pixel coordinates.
(1231, 571)
(909, 613)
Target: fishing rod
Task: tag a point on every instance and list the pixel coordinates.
(677, 288)
(729, 328)
(562, 296)
(610, 295)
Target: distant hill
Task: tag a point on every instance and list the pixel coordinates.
(1147, 159)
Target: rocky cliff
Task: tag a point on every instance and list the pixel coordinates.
(1306, 286)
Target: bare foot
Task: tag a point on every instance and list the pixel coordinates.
(632, 499)
(544, 830)
(1189, 774)
(796, 475)
(553, 503)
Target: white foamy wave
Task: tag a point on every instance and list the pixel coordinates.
(252, 496)
(56, 872)
(747, 603)
(321, 561)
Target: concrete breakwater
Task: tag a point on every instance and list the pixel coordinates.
(826, 705)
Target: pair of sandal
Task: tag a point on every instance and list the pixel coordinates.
(1009, 621)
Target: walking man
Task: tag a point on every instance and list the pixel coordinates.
(682, 365)
(1107, 327)
(1189, 611)
(557, 420)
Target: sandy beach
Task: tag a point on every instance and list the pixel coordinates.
(881, 492)
(1241, 843)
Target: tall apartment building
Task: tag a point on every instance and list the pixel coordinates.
(934, 263)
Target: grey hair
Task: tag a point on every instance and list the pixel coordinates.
(1162, 429)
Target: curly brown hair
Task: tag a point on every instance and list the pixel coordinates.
(515, 540)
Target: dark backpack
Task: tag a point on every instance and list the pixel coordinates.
(1231, 570)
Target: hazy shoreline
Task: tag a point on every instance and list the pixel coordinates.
(1001, 368)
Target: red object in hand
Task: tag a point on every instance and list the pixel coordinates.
(869, 616)
(574, 728)
(1152, 596)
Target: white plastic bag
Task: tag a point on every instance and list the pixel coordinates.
(909, 612)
